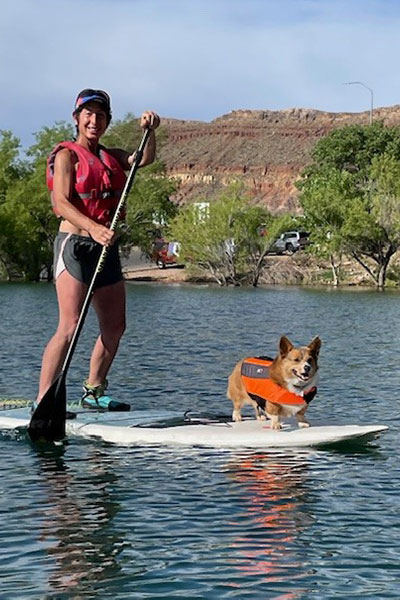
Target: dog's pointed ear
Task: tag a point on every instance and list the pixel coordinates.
(315, 346)
(285, 346)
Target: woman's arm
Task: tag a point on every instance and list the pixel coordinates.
(151, 120)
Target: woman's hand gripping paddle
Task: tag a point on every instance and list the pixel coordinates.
(48, 419)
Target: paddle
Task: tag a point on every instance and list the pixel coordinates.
(48, 419)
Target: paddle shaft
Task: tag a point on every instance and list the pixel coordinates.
(103, 254)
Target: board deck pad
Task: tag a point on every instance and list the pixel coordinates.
(151, 428)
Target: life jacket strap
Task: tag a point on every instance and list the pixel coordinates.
(101, 195)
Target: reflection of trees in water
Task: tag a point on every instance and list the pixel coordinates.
(79, 509)
(275, 496)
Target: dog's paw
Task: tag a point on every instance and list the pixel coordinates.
(304, 424)
(236, 417)
(261, 418)
(276, 426)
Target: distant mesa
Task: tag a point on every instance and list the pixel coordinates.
(266, 149)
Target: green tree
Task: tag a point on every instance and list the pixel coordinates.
(325, 202)
(372, 228)
(126, 134)
(47, 138)
(341, 192)
(123, 133)
(227, 239)
(12, 168)
(256, 230)
(352, 148)
(28, 223)
(12, 171)
(149, 208)
(206, 237)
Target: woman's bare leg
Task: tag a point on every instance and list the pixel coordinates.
(109, 304)
(70, 294)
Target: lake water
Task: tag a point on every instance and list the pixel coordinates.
(91, 520)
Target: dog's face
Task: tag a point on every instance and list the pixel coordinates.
(299, 366)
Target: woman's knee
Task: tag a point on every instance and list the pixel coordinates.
(113, 331)
(66, 329)
(120, 328)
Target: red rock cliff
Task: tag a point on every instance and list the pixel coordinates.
(267, 150)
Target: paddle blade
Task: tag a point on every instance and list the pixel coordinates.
(48, 419)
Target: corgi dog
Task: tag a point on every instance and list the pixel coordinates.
(279, 387)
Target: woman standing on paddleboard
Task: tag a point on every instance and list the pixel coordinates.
(86, 181)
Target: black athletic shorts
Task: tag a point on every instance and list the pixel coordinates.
(79, 255)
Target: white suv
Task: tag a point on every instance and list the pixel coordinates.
(290, 242)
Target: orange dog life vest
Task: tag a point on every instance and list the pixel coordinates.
(260, 387)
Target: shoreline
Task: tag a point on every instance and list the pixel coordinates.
(279, 271)
(299, 270)
(155, 274)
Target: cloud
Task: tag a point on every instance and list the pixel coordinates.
(194, 58)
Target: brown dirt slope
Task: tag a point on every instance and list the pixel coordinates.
(267, 150)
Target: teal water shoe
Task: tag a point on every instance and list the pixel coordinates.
(94, 398)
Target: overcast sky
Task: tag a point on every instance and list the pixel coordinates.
(194, 59)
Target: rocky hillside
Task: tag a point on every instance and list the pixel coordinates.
(265, 149)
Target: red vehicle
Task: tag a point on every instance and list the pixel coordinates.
(165, 253)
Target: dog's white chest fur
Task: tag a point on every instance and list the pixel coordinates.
(289, 410)
(310, 385)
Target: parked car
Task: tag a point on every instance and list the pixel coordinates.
(165, 253)
(290, 242)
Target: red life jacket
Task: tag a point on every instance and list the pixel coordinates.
(98, 184)
(259, 386)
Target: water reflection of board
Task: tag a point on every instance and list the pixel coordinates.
(131, 428)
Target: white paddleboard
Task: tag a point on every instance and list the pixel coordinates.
(124, 430)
